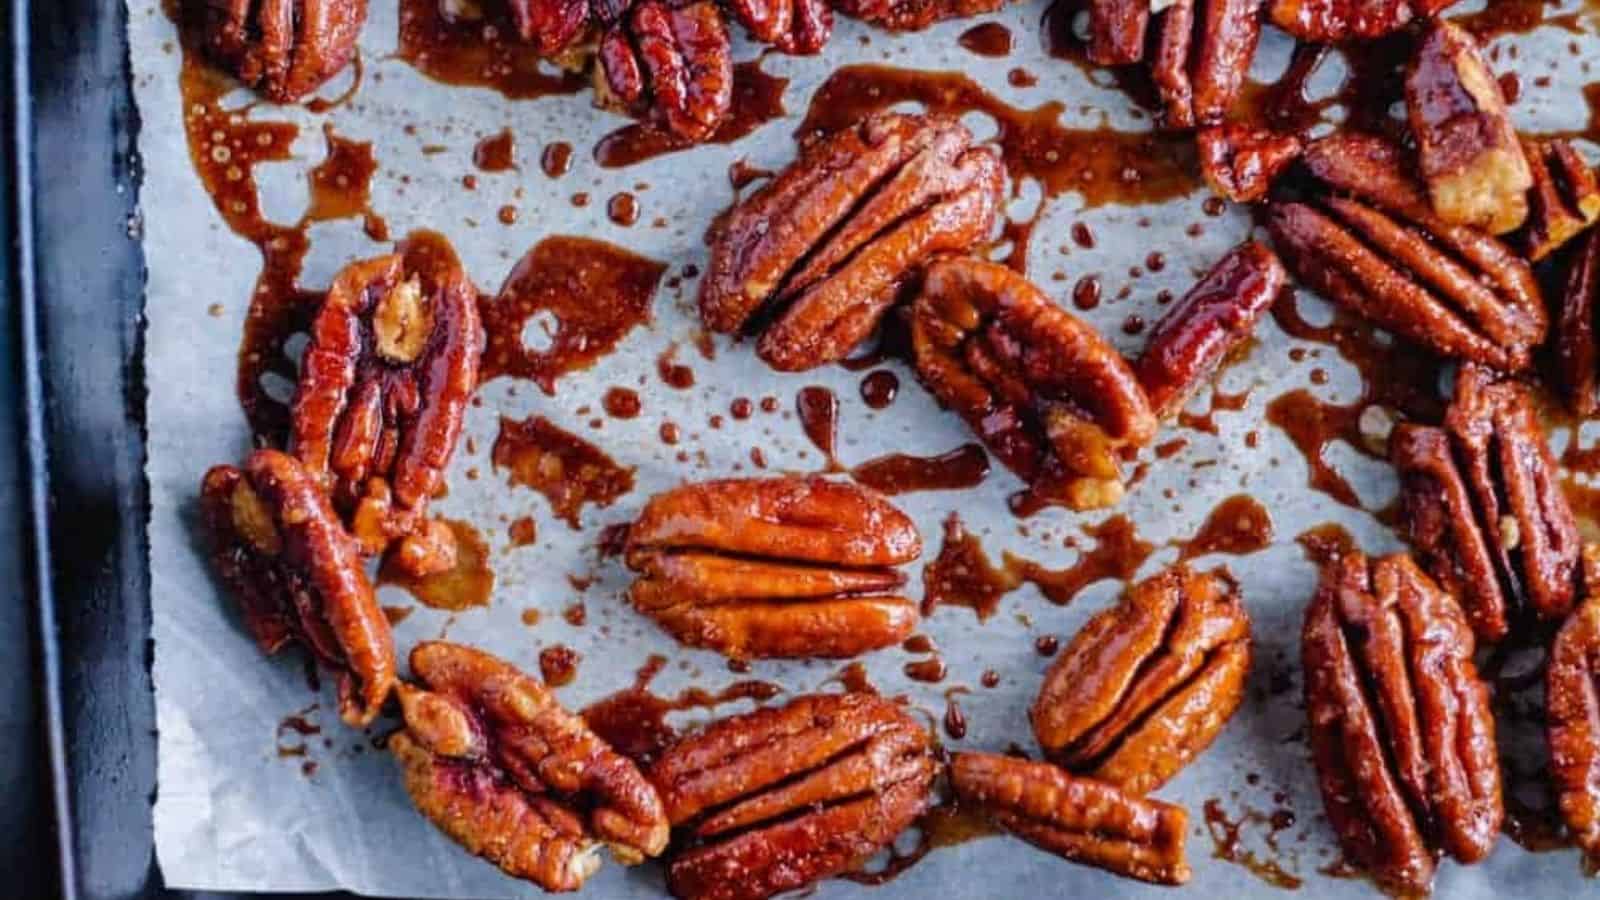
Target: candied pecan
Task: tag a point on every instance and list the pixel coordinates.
(1577, 357)
(1335, 21)
(1213, 319)
(1149, 683)
(1044, 391)
(1565, 198)
(913, 15)
(1202, 57)
(384, 383)
(672, 63)
(1080, 819)
(1240, 162)
(1467, 149)
(1572, 710)
(775, 799)
(825, 247)
(495, 762)
(283, 48)
(550, 26)
(776, 567)
(1401, 730)
(1376, 247)
(277, 545)
(792, 26)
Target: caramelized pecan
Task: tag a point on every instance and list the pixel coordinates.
(1564, 201)
(913, 15)
(283, 48)
(1240, 162)
(1577, 357)
(277, 545)
(1401, 730)
(387, 375)
(1376, 247)
(1148, 684)
(1200, 55)
(792, 26)
(1044, 391)
(1080, 819)
(671, 63)
(1467, 149)
(1335, 21)
(1212, 320)
(787, 567)
(1572, 708)
(826, 245)
(550, 26)
(1481, 502)
(495, 762)
(778, 798)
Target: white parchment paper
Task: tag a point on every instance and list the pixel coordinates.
(231, 813)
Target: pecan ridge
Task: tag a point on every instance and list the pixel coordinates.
(283, 48)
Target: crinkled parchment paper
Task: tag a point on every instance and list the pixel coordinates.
(231, 813)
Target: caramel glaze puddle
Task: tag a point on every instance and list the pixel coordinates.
(947, 824)
(1118, 553)
(568, 470)
(1505, 17)
(955, 720)
(564, 278)
(1220, 402)
(1325, 543)
(1225, 837)
(466, 585)
(899, 473)
(757, 100)
(634, 720)
(1238, 525)
(818, 410)
(987, 39)
(879, 389)
(962, 575)
(485, 53)
(558, 665)
(496, 153)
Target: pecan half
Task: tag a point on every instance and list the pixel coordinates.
(1080, 819)
(1401, 730)
(497, 764)
(670, 63)
(1467, 149)
(778, 798)
(1335, 21)
(1149, 683)
(1572, 708)
(283, 48)
(791, 26)
(550, 26)
(1577, 356)
(1212, 320)
(1240, 162)
(1044, 391)
(824, 247)
(1481, 502)
(1376, 247)
(1564, 201)
(277, 545)
(385, 380)
(1201, 51)
(913, 15)
(779, 567)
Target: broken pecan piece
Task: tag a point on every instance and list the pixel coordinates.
(283, 48)
(495, 762)
(1572, 708)
(1401, 730)
(1376, 247)
(775, 799)
(1149, 683)
(385, 380)
(1481, 501)
(825, 247)
(778, 567)
(1240, 162)
(1080, 819)
(1336, 21)
(1577, 356)
(1212, 320)
(1043, 390)
(277, 545)
(670, 63)
(913, 15)
(792, 26)
(1564, 201)
(1467, 149)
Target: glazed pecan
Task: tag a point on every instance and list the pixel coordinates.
(283, 48)
(1200, 58)
(913, 15)
(1401, 730)
(1044, 391)
(1335, 21)
(670, 63)
(778, 798)
(1212, 320)
(792, 26)
(1240, 162)
(1482, 504)
(1375, 246)
(778, 567)
(277, 545)
(1572, 708)
(1149, 683)
(1467, 150)
(1080, 819)
(825, 247)
(550, 26)
(495, 762)
(1564, 201)
(1577, 356)
(387, 375)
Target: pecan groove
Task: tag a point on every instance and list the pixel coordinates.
(283, 48)
(672, 63)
